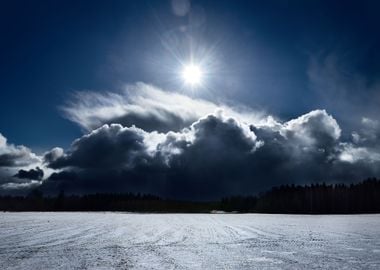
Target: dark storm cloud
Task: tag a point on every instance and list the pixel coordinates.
(32, 174)
(171, 164)
(217, 155)
(110, 146)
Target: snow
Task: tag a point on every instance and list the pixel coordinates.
(188, 241)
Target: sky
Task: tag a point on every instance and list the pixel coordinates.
(92, 96)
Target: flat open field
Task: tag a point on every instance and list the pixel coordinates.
(188, 241)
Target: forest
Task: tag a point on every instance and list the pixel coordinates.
(363, 197)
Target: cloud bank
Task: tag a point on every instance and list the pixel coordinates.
(207, 152)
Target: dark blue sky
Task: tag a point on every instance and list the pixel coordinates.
(270, 55)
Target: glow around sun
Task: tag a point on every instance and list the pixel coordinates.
(192, 74)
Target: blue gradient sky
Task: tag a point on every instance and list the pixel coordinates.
(283, 57)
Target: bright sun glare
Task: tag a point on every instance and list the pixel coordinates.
(192, 74)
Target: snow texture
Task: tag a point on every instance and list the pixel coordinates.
(188, 241)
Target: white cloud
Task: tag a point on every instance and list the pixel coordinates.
(316, 129)
(12, 159)
(146, 107)
(352, 154)
(16, 186)
(3, 141)
(16, 156)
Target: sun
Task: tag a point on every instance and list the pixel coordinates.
(192, 74)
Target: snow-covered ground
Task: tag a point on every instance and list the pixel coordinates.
(188, 241)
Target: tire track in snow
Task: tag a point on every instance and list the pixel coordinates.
(187, 241)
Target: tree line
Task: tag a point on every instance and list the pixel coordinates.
(35, 201)
(363, 197)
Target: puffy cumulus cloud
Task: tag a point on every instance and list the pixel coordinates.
(210, 159)
(15, 156)
(315, 128)
(110, 146)
(311, 137)
(176, 164)
(52, 155)
(115, 146)
(352, 154)
(365, 145)
(15, 167)
(146, 107)
(368, 134)
(301, 150)
(219, 136)
(217, 155)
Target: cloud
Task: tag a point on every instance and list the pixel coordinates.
(216, 150)
(122, 147)
(32, 174)
(315, 128)
(15, 156)
(15, 166)
(368, 133)
(340, 85)
(146, 107)
(215, 156)
(53, 155)
(110, 146)
(19, 188)
(180, 7)
(152, 162)
(365, 145)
